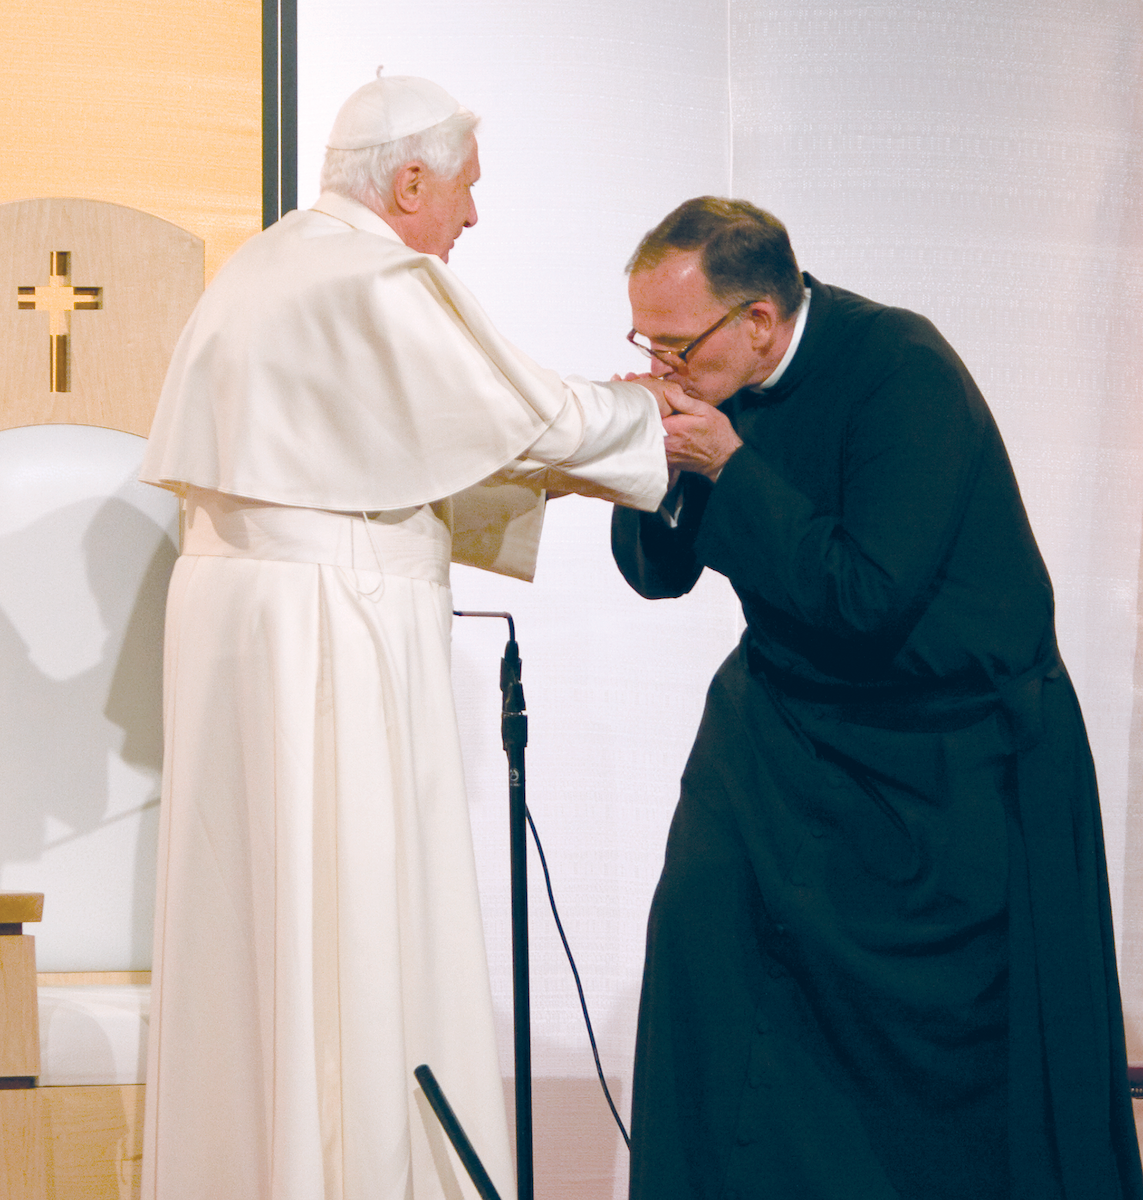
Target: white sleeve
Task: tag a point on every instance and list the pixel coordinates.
(607, 442)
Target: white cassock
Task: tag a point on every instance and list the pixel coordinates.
(343, 421)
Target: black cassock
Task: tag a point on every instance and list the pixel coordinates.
(879, 958)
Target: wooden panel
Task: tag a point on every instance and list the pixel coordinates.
(18, 907)
(22, 1175)
(19, 1014)
(81, 978)
(92, 1141)
(148, 273)
(155, 106)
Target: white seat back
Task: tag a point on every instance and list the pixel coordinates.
(85, 556)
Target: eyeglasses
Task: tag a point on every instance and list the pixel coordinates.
(670, 357)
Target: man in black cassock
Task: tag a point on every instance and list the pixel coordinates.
(879, 959)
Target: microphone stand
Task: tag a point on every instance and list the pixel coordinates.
(514, 737)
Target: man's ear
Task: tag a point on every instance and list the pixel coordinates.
(763, 314)
(408, 187)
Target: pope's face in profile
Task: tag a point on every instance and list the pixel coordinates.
(447, 208)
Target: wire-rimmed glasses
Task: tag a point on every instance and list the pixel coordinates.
(672, 357)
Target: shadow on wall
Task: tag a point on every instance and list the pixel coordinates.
(82, 595)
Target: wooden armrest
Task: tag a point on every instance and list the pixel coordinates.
(18, 907)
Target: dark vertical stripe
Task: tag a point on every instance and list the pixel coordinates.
(270, 192)
(288, 120)
(279, 108)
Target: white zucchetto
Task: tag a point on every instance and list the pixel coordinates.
(387, 109)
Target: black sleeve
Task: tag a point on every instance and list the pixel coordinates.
(656, 559)
(866, 565)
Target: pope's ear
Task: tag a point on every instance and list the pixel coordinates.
(408, 187)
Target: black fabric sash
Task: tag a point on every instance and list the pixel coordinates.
(924, 705)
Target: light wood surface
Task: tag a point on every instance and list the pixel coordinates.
(19, 1013)
(22, 1170)
(155, 106)
(18, 907)
(150, 275)
(71, 1143)
(92, 1140)
(87, 978)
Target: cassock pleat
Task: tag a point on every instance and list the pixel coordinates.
(824, 1000)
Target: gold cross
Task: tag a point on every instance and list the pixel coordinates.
(59, 299)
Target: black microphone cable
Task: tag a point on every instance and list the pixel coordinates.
(556, 914)
(578, 984)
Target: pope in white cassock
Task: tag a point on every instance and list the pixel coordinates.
(343, 421)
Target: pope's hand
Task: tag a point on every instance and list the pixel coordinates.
(666, 394)
(699, 438)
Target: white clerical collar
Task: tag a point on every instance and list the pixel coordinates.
(787, 358)
(353, 212)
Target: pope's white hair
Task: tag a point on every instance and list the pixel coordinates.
(365, 175)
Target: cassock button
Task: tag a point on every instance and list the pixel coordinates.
(755, 1079)
(744, 1139)
(776, 972)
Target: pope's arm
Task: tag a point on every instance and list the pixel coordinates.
(606, 441)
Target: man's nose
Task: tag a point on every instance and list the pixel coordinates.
(660, 369)
(472, 218)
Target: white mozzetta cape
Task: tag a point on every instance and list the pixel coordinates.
(330, 366)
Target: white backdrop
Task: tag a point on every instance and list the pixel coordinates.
(978, 161)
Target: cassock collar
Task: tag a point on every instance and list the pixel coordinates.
(792, 348)
(801, 355)
(353, 212)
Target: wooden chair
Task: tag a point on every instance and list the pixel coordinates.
(92, 299)
(22, 1174)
